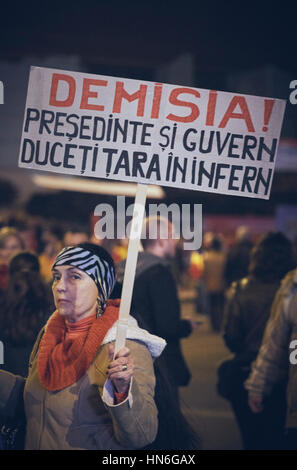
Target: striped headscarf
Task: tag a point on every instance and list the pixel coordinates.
(94, 261)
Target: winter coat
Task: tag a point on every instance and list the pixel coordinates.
(213, 273)
(157, 307)
(273, 361)
(246, 313)
(83, 415)
(238, 259)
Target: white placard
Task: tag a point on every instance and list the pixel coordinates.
(152, 133)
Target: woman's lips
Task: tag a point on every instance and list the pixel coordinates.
(62, 301)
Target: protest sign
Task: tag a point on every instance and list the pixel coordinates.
(145, 132)
(149, 133)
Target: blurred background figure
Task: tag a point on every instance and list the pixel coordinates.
(24, 225)
(196, 265)
(238, 256)
(214, 260)
(195, 274)
(52, 240)
(180, 264)
(24, 308)
(75, 235)
(276, 362)
(246, 314)
(119, 251)
(10, 243)
(207, 240)
(155, 300)
(96, 240)
(156, 307)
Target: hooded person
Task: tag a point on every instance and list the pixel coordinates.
(156, 307)
(87, 398)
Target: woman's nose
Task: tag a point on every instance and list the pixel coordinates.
(61, 284)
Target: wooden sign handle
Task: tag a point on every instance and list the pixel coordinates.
(130, 268)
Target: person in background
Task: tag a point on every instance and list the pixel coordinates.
(277, 361)
(195, 272)
(25, 228)
(10, 243)
(238, 256)
(119, 251)
(23, 311)
(52, 239)
(196, 266)
(246, 314)
(180, 264)
(213, 275)
(155, 299)
(156, 307)
(75, 235)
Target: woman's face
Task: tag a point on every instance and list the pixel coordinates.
(9, 248)
(75, 293)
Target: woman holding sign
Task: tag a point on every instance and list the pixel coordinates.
(76, 395)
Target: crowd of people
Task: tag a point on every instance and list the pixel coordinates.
(59, 304)
(249, 292)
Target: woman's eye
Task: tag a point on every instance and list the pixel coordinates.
(55, 277)
(75, 276)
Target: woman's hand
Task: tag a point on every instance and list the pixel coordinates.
(120, 369)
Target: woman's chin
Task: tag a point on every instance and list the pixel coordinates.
(64, 310)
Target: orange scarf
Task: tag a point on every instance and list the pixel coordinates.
(77, 328)
(61, 362)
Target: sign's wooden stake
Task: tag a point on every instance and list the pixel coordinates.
(130, 268)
